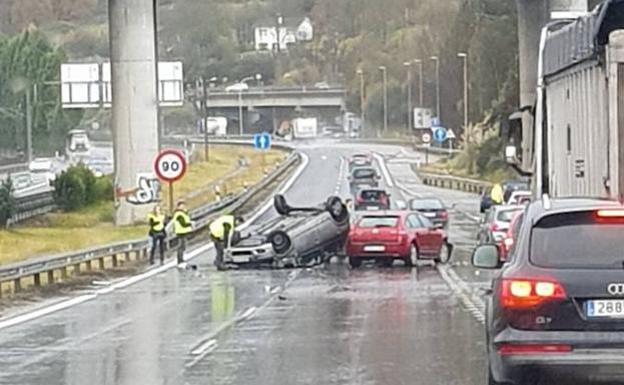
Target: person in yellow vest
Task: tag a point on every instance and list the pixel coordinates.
(222, 230)
(497, 194)
(157, 223)
(182, 227)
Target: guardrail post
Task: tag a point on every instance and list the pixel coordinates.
(77, 268)
(50, 277)
(37, 279)
(89, 266)
(115, 260)
(101, 264)
(64, 273)
(127, 256)
(17, 285)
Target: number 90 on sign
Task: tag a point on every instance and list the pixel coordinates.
(170, 165)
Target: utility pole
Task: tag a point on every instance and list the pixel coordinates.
(362, 98)
(384, 75)
(408, 66)
(437, 70)
(420, 81)
(464, 56)
(29, 151)
(204, 116)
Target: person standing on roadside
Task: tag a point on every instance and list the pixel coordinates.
(497, 194)
(157, 223)
(182, 227)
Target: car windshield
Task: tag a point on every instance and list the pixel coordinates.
(427, 204)
(378, 221)
(578, 240)
(506, 215)
(364, 173)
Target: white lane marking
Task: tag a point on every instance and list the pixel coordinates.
(247, 314)
(204, 347)
(341, 172)
(200, 357)
(473, 304)
(44, 311)
(384, 170)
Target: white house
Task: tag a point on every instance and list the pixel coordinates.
(291, 31)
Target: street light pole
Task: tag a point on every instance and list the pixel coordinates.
(362, 98)
(385, 97)
(464, 56)
(420, 81)
(408, 66)
(437, 61)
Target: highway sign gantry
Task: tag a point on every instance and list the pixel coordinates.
(170, 166)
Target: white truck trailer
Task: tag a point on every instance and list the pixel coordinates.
(579, 112)
(305, 128)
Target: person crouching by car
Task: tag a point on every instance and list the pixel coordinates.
(222, 231)
(157, 224)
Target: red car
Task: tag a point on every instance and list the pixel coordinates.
(508, 241)
(389, 235)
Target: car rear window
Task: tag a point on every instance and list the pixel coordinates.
(578, 240)
(427, 204)
(372, 195)
(364, 173)
(378, 221)
(506, 215)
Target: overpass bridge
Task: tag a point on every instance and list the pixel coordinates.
(269, 97)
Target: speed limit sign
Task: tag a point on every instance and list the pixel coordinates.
(170, 165)
(426, 138)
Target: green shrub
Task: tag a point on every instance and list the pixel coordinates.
(70, 192)
(104, 189)
(7, 202)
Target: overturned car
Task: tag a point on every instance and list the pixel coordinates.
(298, 237)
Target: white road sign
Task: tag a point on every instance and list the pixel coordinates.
(170, 165)
(426, 138)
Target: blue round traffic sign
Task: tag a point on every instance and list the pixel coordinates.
(440, 134)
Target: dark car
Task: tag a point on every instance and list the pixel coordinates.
(372, 199)
(433, 209)
(556, 308)
(300, 236)
(363, 177)
(513, 185)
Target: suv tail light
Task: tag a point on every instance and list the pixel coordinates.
(494, 227)
(530, 293)
(444, 214)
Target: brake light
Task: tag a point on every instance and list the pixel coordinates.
(359, 200)
(530, 349)
(508, 243)
(528, 293)
(444, 214)
(494, 227)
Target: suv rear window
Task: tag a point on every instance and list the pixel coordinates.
(364, 173)
(427, 204)
(506, 215)
(372, 195)
(578, 240)
(379, 221)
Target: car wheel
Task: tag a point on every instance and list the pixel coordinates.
(280, 241)
(445, 253)
(337, 209)
(413, 256)
(281, 206)
(355, 262)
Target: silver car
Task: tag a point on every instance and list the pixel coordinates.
(495, 223)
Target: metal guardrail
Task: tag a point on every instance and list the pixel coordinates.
(13, 168)
(32, 205)
(127, 250)
(454, 183)
(405, 143)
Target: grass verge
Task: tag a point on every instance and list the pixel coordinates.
(92, 226)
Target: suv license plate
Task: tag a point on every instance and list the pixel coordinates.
(613, 308)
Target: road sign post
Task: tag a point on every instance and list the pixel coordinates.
(170, 166)
(262, 142)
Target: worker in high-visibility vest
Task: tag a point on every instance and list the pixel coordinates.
(157, 223)
(182, 227)
(222, 230)
(497, 194)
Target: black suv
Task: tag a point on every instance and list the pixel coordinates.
(556, 308)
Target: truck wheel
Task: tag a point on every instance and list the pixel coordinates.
(280, 241)
(280, 204)
(355, 262)
(337, 209)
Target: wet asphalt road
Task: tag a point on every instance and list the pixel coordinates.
(328, 325)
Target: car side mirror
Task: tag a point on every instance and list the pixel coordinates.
(486, 257)
(510, 154)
